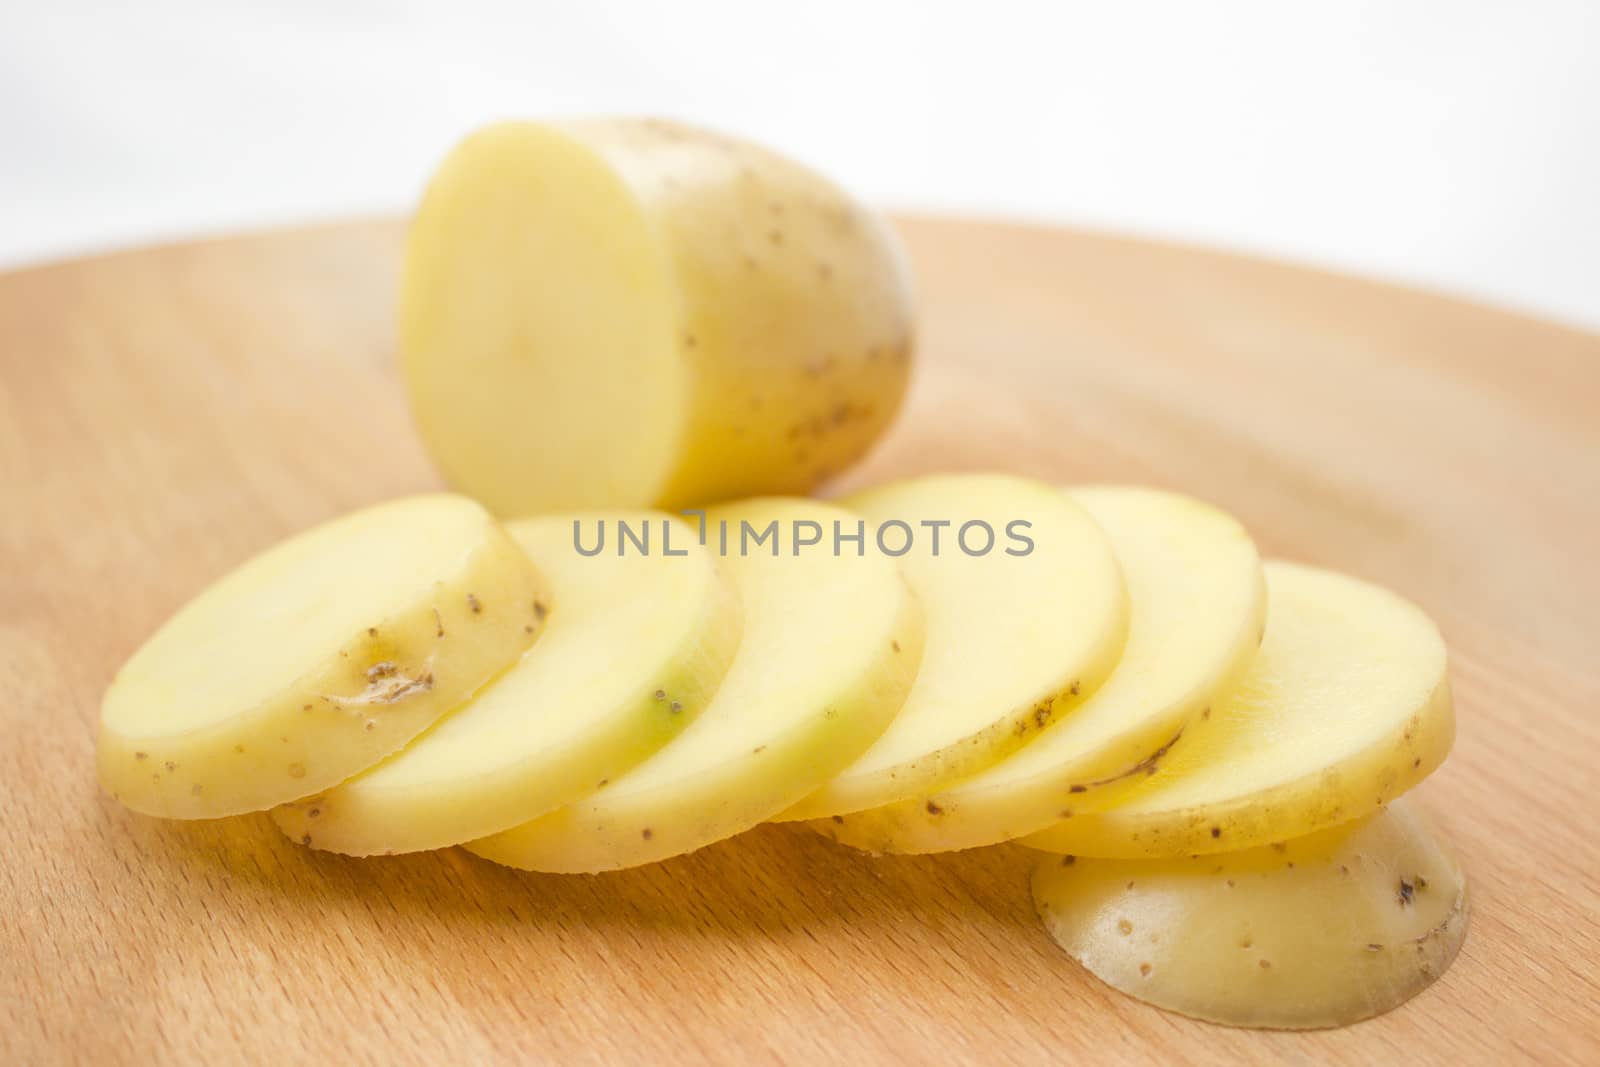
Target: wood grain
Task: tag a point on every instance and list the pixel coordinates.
(165, 413)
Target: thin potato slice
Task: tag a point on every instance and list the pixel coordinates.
(317, 658)
(633, 313)
(1318, 931)
(639, 644)
(831, 643)
(1346, 706)
(1198, 605)
(1014, 640)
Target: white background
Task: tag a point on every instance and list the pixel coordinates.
(1455, 145)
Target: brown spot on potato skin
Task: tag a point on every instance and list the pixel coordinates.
(934, 808)
(647, 833)
(473, 605)
(1147, 766)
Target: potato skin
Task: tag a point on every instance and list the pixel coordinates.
(1319, 931)
(796, 308)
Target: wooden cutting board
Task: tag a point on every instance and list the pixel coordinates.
(165, 413)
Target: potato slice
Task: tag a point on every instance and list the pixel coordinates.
(317, 658)
(831, 643)
(1346, 706)
(1318, 931)
(1013, 639)
(1198, 605)
(637, 647)
(639, 313)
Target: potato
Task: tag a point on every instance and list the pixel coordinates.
(638, 313)
(831, 643)
(1346, 706)
(639, 643)
(1198, 605)
(316, 659)
(1317, 931)
(1016, 635)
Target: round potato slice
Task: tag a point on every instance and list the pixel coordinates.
(317, 658)
(636, 313)
(1198, 605)
(1026, 615)
(1346, 706)
(830, 646)
(1318, 931)
(644, 630)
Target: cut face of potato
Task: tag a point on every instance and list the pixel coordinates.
(316, 659)
(1198, 605)
(636, 646)
(830, 645)
(1346, 706)
(639, 313)
(1016, 635)
(1318, 931)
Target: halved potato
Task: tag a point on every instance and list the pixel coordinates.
(640, 313)
(1317, 931)
(1346, 706)
(636, 649)
(1016, 634)
(1198, 605)
(831, 643)
(317, 658)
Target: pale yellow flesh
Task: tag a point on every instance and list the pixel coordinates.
(638, 313)
(1318, 931)
(1014, 641)
(316, 659)
(1197, 607)
(829, 650)
(636, 645)
(1346, 706)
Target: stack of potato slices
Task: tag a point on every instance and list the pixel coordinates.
(1206, 747)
